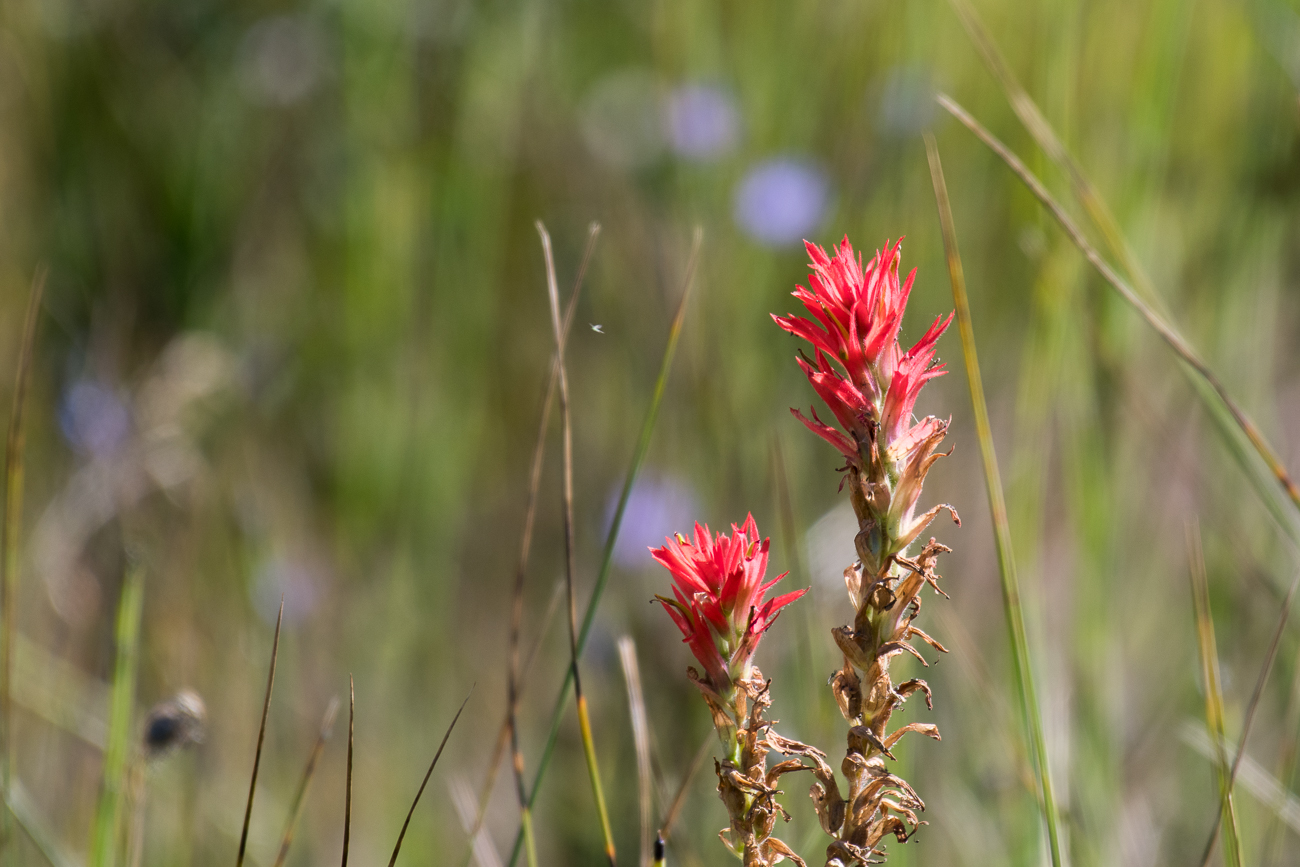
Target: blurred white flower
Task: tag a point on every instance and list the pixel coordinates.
(620, 120)
(282, 59)
(702, 121)
(830, 548)
(781, 201)
(906, 101)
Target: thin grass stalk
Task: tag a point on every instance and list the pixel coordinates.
(108, 815)
(997, 506)
(261, 738)
(429, 773)
(347, 796)
(10, 530)
(1214, 715)
(607, 557)
(300, 796)
(640, 740)
(1190, 358)
(1269, 658)
(566, 430)
(510, 725)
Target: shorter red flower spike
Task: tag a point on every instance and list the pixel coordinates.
(719, 605)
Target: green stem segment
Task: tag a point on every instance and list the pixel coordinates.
(998, 507)
(108, 815)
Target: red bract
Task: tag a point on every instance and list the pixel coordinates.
(719, 604)
(872, 385)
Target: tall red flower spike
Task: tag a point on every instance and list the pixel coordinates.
(719, 604)
(871, 385)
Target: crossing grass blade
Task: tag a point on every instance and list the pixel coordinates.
(998, 508)
(261, 738)
(300, 796)
(37, 827)
(1214, 715)
(602, 577)
(108, 814)
(566, 429)
(406, 824)
(1265, 669)
(1042, 132)
(1223, 408)
(9, 531)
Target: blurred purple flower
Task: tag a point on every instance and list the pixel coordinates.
(93, 420)
(781, 201)
(656, 508)
(703, 122)
(299, 581)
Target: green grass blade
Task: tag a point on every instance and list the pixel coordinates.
(1213, 694)
(602, 578)
(108, 815)
(1208, 386)
(997, 506)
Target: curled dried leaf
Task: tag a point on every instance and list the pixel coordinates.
(907, 687)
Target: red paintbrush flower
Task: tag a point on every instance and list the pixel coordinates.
(719, 604)
(872, 385)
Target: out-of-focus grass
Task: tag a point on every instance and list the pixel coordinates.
(338, 199)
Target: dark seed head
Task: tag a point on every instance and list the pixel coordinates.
(174, 723)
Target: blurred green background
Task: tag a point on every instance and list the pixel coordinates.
(295, 341)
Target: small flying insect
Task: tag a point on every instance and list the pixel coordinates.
(599, 329)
